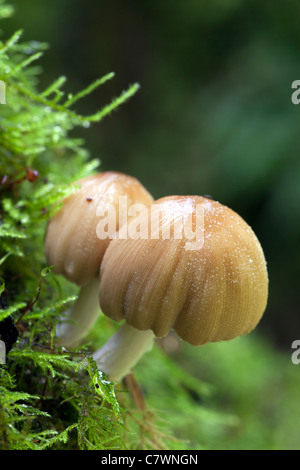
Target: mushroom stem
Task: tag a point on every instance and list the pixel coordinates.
(122, 351)
(81, 316)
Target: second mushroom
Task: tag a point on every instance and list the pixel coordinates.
(214, 292)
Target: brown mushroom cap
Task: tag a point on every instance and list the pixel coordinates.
(213, 293)
(72, 245)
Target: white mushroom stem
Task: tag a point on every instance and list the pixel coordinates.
(81, 317)
(122, 351)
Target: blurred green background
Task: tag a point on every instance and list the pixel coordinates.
(213, 116)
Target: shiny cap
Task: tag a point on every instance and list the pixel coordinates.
(216, 291)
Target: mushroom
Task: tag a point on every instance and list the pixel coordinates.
(195, 266)
(75, 246)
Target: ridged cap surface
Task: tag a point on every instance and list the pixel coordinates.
(213, 293)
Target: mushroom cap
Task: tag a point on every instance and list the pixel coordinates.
(72, 245)
(215, 292)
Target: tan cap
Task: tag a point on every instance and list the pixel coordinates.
(72, 245)
(216, 291)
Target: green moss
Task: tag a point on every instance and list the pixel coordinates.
(48, 397)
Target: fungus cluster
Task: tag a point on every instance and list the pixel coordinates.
(156, 281)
